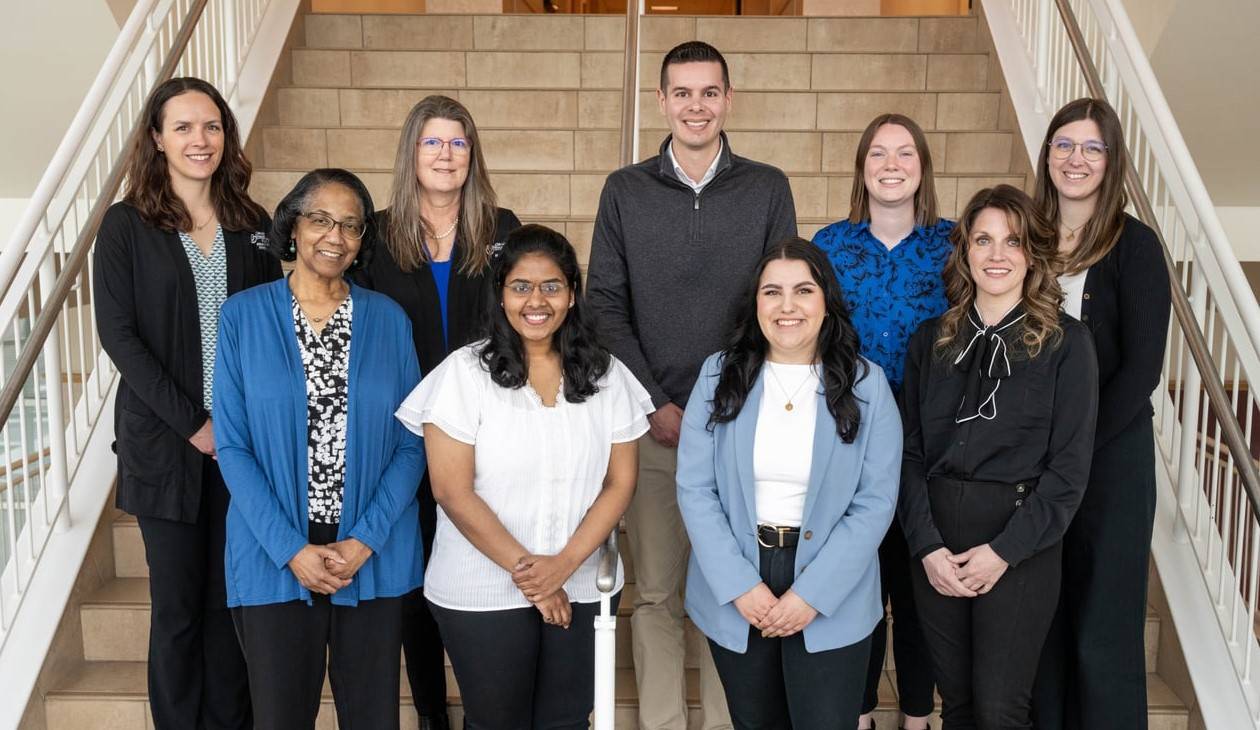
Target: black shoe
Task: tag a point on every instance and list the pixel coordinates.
(435, 722)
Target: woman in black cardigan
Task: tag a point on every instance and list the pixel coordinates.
(185, 236)
(440, 232)
(1114, 279)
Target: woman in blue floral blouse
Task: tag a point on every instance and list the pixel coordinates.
(888, 256)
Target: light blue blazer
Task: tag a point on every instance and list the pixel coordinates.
(849, 505)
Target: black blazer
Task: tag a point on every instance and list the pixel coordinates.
(466, 296)
(146, 312)
(1125, 305)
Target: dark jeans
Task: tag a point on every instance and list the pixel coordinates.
(985, 650)
(914, 665)
(516, 672)
(1093, 667)
(776, 684)
(422, 642)
(196, 670)
(287, 646)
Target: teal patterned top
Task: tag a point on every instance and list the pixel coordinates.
(210, 275)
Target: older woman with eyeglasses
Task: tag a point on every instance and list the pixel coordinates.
(439, 235)
(322, 531)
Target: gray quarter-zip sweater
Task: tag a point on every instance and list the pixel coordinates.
(669, 266)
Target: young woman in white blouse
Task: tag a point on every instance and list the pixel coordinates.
(531, 441)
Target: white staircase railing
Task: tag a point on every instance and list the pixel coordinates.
(56, 470)
(1207, 543)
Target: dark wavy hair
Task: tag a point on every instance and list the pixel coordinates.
(296, 202)
(583, 359)
(148, 188)
(838, 350)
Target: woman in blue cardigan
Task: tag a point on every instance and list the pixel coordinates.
(322, 535)
(788, 468)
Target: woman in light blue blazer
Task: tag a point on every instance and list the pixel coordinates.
(788, 467)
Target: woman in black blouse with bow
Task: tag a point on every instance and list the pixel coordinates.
(998, 406)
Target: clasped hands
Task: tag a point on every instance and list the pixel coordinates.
(541, 579)
(328, 568)
(966, 574)
(775, 617)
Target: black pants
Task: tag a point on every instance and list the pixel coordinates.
(1093, 667)
(196, 670)
(422, 642)
(516, 672)
(985, 650)
(914, 665)
(287, 646)
(776, 684)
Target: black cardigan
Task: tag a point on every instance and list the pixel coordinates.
(1125, 305)
(147, 316)
(466, 296)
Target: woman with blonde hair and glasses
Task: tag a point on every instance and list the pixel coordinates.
(888, 255)
(1093, 669)
(441, 230)
(998, 406)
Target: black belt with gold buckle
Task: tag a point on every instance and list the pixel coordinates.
(772, 536)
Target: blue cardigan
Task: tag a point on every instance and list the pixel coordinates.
(260, 432)
(849, 505)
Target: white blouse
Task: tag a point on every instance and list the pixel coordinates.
(783, 448)
(1073, 291)
(538, 468)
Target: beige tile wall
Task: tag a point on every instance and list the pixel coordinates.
(545, 92)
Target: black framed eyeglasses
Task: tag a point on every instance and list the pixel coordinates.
(323, 223)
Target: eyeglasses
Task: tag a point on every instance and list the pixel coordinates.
(322, 223)
(525, 288)
(433, 145)
(1092, 150)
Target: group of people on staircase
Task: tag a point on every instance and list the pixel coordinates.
(950, 419)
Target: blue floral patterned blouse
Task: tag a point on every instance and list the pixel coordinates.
(889, 292)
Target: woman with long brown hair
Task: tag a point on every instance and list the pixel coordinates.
(888, 255)
(1093, 671)
(442, 228)
(998, 407)
(184, 237)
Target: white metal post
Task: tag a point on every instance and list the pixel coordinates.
(605, 665)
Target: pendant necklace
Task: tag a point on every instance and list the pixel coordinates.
(788, 406)
(1071, 232)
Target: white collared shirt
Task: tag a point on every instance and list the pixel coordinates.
(686, 180)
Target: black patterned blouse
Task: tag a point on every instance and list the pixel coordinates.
(326, 359)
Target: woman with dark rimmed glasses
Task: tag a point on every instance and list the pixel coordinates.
(322, 533)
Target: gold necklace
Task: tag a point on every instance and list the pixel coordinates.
(788, 406)
(1071, 235)
(203, 225)
(319, 319)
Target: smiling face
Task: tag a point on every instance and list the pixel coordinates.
(892, 171)
(536, 298)
(696, 103)
(1076, 178)
(191, 137)
(997, 260)
(327, 254)
(442, 168)
(790, 310)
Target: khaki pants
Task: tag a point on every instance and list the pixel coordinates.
(658, 542)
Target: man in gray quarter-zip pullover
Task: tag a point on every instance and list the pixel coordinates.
(676, 239)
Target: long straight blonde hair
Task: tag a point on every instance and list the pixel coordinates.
(405, 235)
